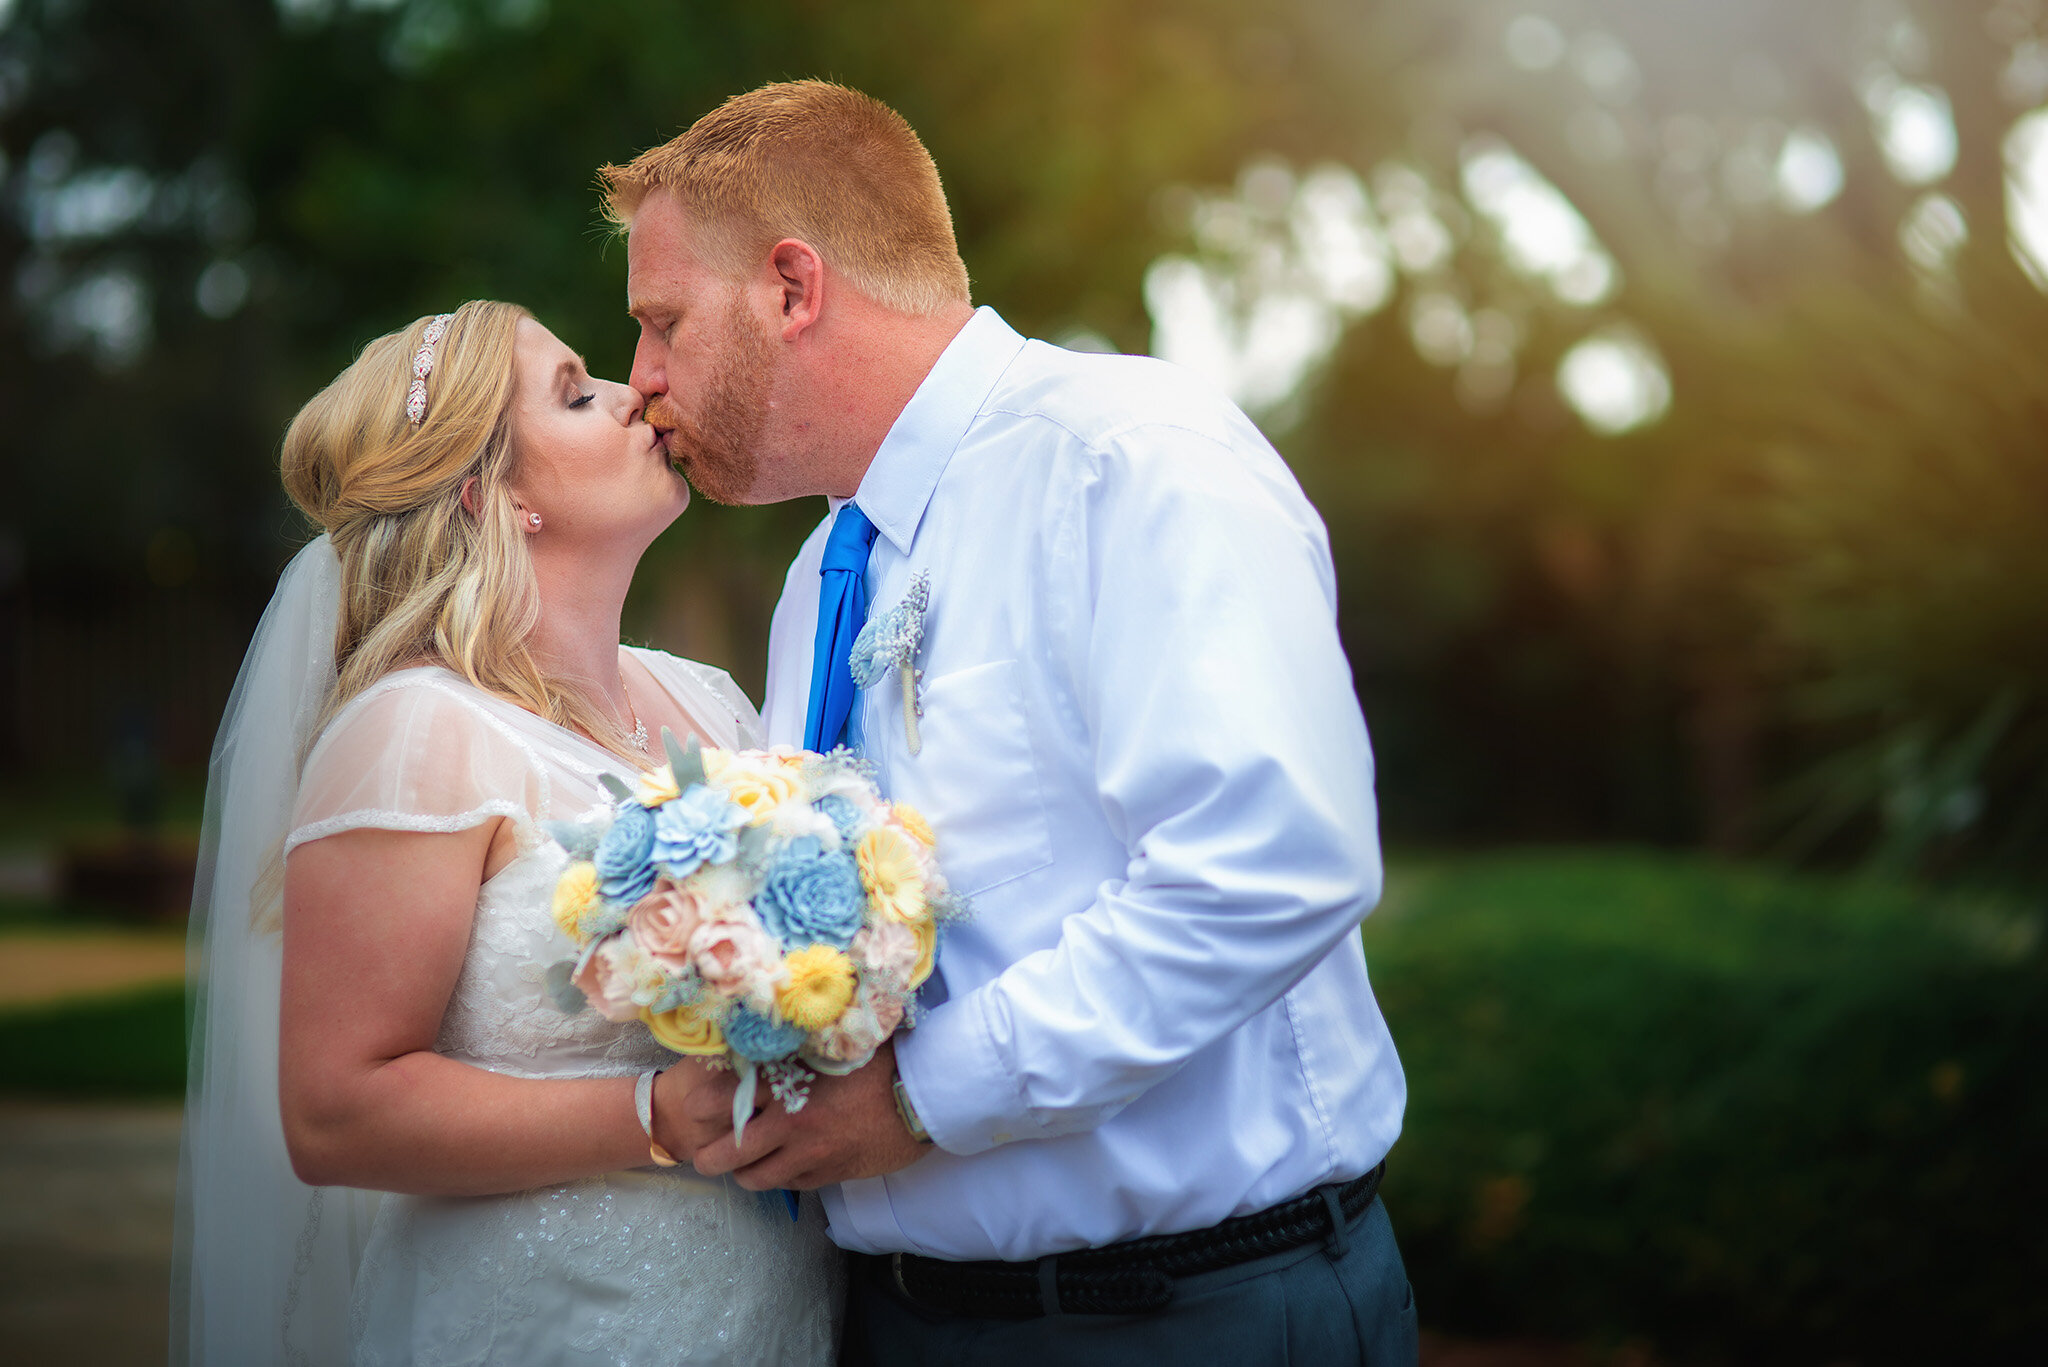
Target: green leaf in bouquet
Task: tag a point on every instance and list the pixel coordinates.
(678, 992)
(755, 843)
(686, 762)
(579, 838)
(607, 918)
(563, 993)
(616, 786)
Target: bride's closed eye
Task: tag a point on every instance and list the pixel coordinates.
(581, 399)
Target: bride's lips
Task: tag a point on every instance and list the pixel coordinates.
(661, 415)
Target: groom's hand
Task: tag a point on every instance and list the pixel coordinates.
(850, 1128)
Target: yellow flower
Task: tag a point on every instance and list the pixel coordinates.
(893, 874)
(817, 989)
(912, 820)
(685, 1030)
(658, 787)
(927, 932)
(575, 894)
(758, 787)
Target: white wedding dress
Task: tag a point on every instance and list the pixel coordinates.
(648, 1266)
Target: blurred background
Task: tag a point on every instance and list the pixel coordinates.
(1670, 374)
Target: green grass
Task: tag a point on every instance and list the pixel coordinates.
(1743, 1115)
(126, 1045)
(1753, 1117)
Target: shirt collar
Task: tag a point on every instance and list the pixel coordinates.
(900, 479)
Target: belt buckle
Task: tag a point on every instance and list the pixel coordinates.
(896, 1271)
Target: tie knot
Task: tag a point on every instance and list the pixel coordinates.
(848, 543)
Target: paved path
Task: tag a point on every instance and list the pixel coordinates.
(86, 1198)
(40, 966)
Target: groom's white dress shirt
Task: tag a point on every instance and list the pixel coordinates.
(1146, 765)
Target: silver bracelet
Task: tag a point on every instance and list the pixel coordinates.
(643, 1104)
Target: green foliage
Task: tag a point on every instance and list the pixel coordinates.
(128, 1045)
(1815, 576)
(1907, 505)
(1750, 1117)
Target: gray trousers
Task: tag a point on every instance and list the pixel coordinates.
(1334, 1301)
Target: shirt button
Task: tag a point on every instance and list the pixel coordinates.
(1003, 1138)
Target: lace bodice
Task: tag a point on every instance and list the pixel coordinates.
(422, 750)
(646, 1266)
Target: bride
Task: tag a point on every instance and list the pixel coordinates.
(437, 675)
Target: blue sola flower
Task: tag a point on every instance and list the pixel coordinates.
(843, 814)
(623, 866)
(752, 1035)
(812, 897)
(695, 829)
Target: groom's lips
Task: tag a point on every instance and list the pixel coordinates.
(661, 415)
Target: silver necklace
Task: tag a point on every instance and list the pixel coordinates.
(639, 727)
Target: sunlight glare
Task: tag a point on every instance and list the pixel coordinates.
(1615, 381)
(1917, 131)
(1541, 233)
(2026, 193)
(1809, 171)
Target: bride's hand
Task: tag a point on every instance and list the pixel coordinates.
(693, 1106)
(850, 1128)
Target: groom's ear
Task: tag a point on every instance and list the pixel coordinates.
(801, 272)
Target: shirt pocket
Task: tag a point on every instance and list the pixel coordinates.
(976, 778)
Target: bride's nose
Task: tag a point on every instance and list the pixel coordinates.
(628, 403)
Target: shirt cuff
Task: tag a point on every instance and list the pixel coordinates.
(961, 1085)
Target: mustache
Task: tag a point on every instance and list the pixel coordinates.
(662, 414)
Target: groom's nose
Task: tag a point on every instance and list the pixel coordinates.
(650, 370)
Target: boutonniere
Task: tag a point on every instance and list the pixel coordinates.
(890, 642)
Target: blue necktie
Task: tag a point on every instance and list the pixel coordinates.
(842, 608)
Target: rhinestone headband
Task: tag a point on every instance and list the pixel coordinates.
(423, 366)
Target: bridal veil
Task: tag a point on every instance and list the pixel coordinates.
(263, 1262)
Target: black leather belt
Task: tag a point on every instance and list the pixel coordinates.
(1131, 1278)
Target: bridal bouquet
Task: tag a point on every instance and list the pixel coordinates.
(766, 908)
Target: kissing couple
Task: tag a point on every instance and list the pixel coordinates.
(1140, 1111)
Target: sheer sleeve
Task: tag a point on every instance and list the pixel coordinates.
(415, 753)
(729, 718)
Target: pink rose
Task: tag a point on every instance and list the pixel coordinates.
(887, 950)
(608, 979)
(852, 1039)
(735, 958)
(663, 922)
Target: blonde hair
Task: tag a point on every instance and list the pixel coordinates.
(817, 162)
(422, 579)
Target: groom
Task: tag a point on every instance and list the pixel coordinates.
(1144, 1117)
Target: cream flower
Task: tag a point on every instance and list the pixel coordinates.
(758, 784)
(723, 892)
(657, 787)
(817, 985)
(892, 870)
(793, 820)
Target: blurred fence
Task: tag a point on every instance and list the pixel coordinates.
(120, 691)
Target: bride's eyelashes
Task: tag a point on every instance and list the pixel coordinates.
(581, 399)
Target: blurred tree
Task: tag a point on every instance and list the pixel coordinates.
(1761, 251)
(1669, 420)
